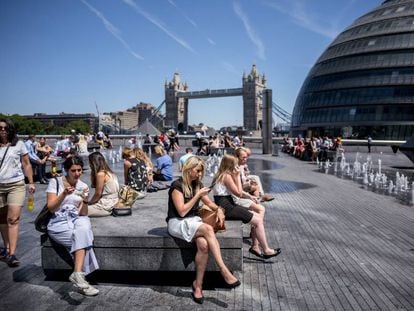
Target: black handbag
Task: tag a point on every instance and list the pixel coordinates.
(42, 219)
(121, 211)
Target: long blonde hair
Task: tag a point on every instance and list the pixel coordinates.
(189, 164)
(227, 165)
(141, 154)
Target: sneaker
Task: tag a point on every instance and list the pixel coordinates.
(12, 261)
(89, 291)
(78, 279)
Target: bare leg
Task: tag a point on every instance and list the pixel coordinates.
(201, 259)
(207, 232)
(13, 217)
(79, 259)
(260, 233)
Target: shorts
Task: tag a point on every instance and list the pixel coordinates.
(232, 210)
(184, 228)
(12, 193)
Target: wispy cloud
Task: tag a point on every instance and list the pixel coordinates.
(297, 11)
(254, 37)
(211, 41)
(191, 21)
(113, 30)
(230, 68)
(159, 24)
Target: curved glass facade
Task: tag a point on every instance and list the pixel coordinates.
(363, 84)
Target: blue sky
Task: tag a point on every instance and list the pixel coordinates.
(65, 55)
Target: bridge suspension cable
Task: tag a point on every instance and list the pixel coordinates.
(281, 113)
(155, 116)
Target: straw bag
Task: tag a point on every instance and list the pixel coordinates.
(209, 216)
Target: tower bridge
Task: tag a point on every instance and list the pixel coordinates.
(177, 96)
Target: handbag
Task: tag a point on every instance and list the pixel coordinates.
(121, 211)
(42, 219)
(128, 195)
(209, 216)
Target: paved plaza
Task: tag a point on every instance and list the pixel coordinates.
(343, 248)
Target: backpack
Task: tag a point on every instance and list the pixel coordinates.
(137, 175)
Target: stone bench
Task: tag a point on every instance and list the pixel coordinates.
(133, 243)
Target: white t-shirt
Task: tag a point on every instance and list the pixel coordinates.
(11, 170)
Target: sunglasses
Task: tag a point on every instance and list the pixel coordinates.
(3, 128)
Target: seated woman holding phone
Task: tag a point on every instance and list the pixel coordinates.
(184, 197)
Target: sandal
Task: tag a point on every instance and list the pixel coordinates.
(3, 253)
(12, 261)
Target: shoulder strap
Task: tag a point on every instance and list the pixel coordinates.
(4, 156)
(57, 185)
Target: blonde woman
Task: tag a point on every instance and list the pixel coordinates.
(184, 223)
(140, 154)
(227, 182)
(135, 170)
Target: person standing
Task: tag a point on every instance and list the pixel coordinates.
(15, 164)
(369, 143)
(37, 163)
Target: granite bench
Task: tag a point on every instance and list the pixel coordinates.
(133, 243)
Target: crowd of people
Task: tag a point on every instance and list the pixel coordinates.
(236, 194)
(312, 149)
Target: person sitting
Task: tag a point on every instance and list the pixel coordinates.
(141, 155)
(188, 153)
(163, 168)
(135, 170)
(184, 223)
(227, 182)
(69, 225)
(106, 185)
(251, 183)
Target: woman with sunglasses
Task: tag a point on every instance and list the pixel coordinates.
(15, 165)
(69, 225)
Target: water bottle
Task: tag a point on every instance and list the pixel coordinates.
(30, 202)
(54, 168)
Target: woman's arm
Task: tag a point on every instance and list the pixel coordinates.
(127, 165)
(220, 212)
(101, 178)
(55, 200)
(28, 172)
(183, 208)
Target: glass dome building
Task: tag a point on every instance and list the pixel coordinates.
(363, 83)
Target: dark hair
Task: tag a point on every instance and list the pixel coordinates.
(11, 132)
(72, 160)
(188, 149)
(97, 163)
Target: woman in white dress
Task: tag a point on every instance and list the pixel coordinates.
(69, 225)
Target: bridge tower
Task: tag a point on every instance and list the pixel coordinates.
(176, 109)
(253, 86)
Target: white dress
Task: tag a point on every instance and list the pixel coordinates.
(68, 228)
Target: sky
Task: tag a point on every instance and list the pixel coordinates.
(66, 55)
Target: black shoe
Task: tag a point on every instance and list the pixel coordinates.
(277, 252)
(198, 300)
(233, 285)
(12, 261)
(252, 251)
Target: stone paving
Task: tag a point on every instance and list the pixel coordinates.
(343, 248)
